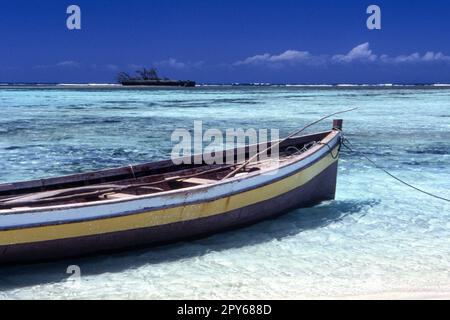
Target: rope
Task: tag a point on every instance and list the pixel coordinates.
(305, 148)
(331, 149)
(390, 174)
(281, 141)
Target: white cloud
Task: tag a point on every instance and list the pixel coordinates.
(62, 64)
(289, 56)
(255, 59)
(135, 66)
(430, 56)
(361, 52)
(112, 67)
(175, 64)
(172, 63)
(69, 63)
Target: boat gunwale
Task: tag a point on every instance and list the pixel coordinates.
(330, 136)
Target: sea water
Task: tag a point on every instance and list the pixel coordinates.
(377, 239)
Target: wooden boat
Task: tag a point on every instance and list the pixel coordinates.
(160, 202)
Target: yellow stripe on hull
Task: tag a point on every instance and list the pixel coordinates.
(165, 216)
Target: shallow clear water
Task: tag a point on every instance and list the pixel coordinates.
(377, 237)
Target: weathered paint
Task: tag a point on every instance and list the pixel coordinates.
(165, 216)
(22, 218)
(69, 230)
(320, 188)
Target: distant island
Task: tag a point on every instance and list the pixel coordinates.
(149, 77)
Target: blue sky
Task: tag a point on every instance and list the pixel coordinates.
(217, 41)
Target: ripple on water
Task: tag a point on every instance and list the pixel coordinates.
(378, 236)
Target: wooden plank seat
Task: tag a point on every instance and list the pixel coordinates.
(199, 181)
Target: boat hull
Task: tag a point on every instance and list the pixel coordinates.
(320, 188)
(49, 233)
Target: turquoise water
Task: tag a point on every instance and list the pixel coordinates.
(377, 237)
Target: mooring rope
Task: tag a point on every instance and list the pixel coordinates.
(331, 149)
(345, 140)
(242, 166)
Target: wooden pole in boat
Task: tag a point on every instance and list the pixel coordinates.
(242, 166)
(337, 124)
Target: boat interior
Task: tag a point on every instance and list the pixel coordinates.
(136, 180)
